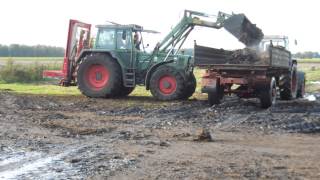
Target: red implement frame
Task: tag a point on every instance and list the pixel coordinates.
(73, 43)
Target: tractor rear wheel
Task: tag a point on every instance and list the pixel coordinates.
(99, 76)
(190, 87)
(301, 84)
(166, 83)
(268, 94)
(289, 85)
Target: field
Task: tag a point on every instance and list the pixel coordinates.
(53, 131)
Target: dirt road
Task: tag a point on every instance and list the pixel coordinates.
(46, 137)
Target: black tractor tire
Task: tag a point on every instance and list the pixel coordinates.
(167, 84)
(190, 87)
(98, 76)
(214, 96)
(268, 94)
(301, 84)
(289, 85)
(124, 91)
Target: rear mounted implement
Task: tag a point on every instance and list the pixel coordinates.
(78, 39)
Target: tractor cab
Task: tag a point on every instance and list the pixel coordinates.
(274, 40)
(118, 37)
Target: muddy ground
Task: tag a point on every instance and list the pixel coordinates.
(48, 137)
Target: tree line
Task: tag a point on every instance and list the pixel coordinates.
(17, 50)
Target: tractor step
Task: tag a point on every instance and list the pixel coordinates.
(129, 78)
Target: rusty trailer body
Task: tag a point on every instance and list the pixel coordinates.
(248, 74)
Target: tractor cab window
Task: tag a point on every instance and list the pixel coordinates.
(105, 39)
(124, 39)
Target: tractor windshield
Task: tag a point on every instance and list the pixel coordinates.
(149, 40)
(105, 39)
(124, 39)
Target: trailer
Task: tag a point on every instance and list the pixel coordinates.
(255, 72)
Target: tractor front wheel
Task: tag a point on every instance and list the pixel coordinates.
(99, 76)
(289, 85)
(166, 84)
(301, 84)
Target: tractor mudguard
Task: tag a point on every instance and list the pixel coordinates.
(90, 51)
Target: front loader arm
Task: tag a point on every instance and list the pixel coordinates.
(236, 24)
(190, 19)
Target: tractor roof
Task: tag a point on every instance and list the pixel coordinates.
(275, 37)
(134, 27)
(120, 26)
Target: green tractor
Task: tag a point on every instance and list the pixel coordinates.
(117, 61)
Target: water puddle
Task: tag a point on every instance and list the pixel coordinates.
(310, 97)
(30, 165)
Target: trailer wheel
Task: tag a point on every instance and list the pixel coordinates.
(268, 94)
(289, 85)
(301, 84)
(190, 88)
(166, 83)
(98, 76)
(214, 96)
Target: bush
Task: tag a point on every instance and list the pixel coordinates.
(25, 73)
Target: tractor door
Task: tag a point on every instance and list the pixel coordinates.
(127, 55)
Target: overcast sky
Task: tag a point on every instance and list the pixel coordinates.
(45, 22)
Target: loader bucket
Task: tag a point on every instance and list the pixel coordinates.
(246, 32)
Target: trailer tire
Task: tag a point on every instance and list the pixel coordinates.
(167, 84)
(190, 88)
(99, 76)
(268, 94)
(289, 85)
(301, 84)
(214, 96)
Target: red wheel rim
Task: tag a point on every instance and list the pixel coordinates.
(167, 84)
(97, 76)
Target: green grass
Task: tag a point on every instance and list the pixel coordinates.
(55, 89)
(311, 67)
(314, 60)
(13, 72)
(312, 75)
(38, 89)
